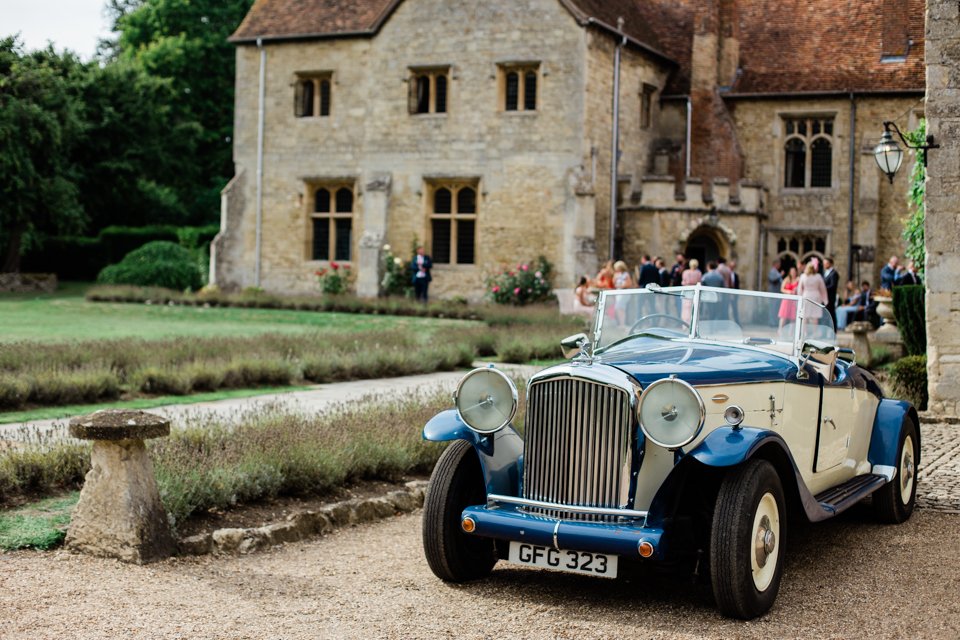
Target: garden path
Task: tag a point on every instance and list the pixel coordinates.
(314, 400)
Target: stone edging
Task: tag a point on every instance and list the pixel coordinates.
(302, 525)
(927, 417)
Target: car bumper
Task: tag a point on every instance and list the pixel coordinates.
(510, 522)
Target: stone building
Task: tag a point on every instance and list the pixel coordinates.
(483, 129)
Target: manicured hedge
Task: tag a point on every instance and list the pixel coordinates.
(908, 307)
(80, 258)
(909, 376)
(155, 264)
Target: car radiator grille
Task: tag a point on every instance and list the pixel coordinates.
(577, 447)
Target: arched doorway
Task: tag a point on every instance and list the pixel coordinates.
(706, 244)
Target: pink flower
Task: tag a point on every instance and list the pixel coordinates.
(516, 291)
(334, 266)
(511, 273)
(496, 289)
(539, 274)
(523, 267)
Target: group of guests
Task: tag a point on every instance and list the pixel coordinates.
(822, 288)
(810, 285)
(617, 275)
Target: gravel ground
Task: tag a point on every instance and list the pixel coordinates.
(848, 578)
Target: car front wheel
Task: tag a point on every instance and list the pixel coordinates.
(893, 502)
(456, 483)
(746, 541)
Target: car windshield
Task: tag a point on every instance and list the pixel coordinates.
(772, 321)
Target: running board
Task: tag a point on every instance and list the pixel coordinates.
(840, 498)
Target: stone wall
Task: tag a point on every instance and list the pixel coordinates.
(28, 282)
(943, 206)
(879, 208)
(636, 143)
(669, 213)
(534, 170)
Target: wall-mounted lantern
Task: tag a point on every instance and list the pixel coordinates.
(888, 153)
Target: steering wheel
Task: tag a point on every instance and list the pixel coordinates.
(639, 323)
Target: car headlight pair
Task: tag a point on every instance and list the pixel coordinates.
(486, 400)
(671, 413)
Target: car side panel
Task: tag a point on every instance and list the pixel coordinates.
(500, 453)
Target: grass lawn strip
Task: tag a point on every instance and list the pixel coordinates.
(40, 525)
(67, 316)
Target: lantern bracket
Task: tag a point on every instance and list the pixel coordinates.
(929, 142)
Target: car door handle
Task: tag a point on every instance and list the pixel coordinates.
(832, 423)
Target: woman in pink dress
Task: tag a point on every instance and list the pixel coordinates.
(691, 276)
(788, 308)
(813, 288)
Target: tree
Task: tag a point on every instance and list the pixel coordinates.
(185, 41)
(40, 123)
(130, 160)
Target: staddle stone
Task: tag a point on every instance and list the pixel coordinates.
(119, 514)
(119, 424)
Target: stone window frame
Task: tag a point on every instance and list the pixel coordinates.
(320, 85)
(526, 71)
(455, 216)
(647, 93)
(331, 215)
(435, 81)
(799, 245)
(816, 128)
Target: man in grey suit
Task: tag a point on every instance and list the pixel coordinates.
(832, 280)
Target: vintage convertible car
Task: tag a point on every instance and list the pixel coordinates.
(695, 425)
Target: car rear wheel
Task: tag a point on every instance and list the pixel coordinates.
(893, 502)
(456, 483)
(746, 540)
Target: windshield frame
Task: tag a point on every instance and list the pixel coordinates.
(696, 291)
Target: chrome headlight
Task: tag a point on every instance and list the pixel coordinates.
(671, 413)
(486, 400)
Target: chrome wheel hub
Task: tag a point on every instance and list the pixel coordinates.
(765, 542)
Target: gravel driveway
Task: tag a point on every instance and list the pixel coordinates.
(848, 578)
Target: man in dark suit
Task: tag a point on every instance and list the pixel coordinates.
(649, 274)
(907, 276)
(832, 279)
(422, 264)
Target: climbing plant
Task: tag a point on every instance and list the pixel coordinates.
(913, 223)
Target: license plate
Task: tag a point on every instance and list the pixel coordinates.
(584, 562)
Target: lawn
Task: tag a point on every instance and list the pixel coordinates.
(67, 316)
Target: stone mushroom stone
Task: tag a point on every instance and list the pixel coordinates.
(119, 514)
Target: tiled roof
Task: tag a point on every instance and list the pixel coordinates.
(290, 19)
(786, 46)
(827, 45)
(806, 46)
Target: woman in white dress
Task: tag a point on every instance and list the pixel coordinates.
(813, 288)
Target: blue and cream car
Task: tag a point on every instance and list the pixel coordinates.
(695, 424)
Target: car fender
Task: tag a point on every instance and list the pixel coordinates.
(885, 438)
(727, 447)
(500, 453)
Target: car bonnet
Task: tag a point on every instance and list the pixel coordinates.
(650, 359)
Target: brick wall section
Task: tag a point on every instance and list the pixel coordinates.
(943, 206)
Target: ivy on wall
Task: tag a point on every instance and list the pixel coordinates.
(913, 224)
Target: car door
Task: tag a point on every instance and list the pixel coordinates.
(837, 416)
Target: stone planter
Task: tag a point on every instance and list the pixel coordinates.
(888, 332)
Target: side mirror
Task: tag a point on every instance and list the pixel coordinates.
(847, 355)
(572, 346)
